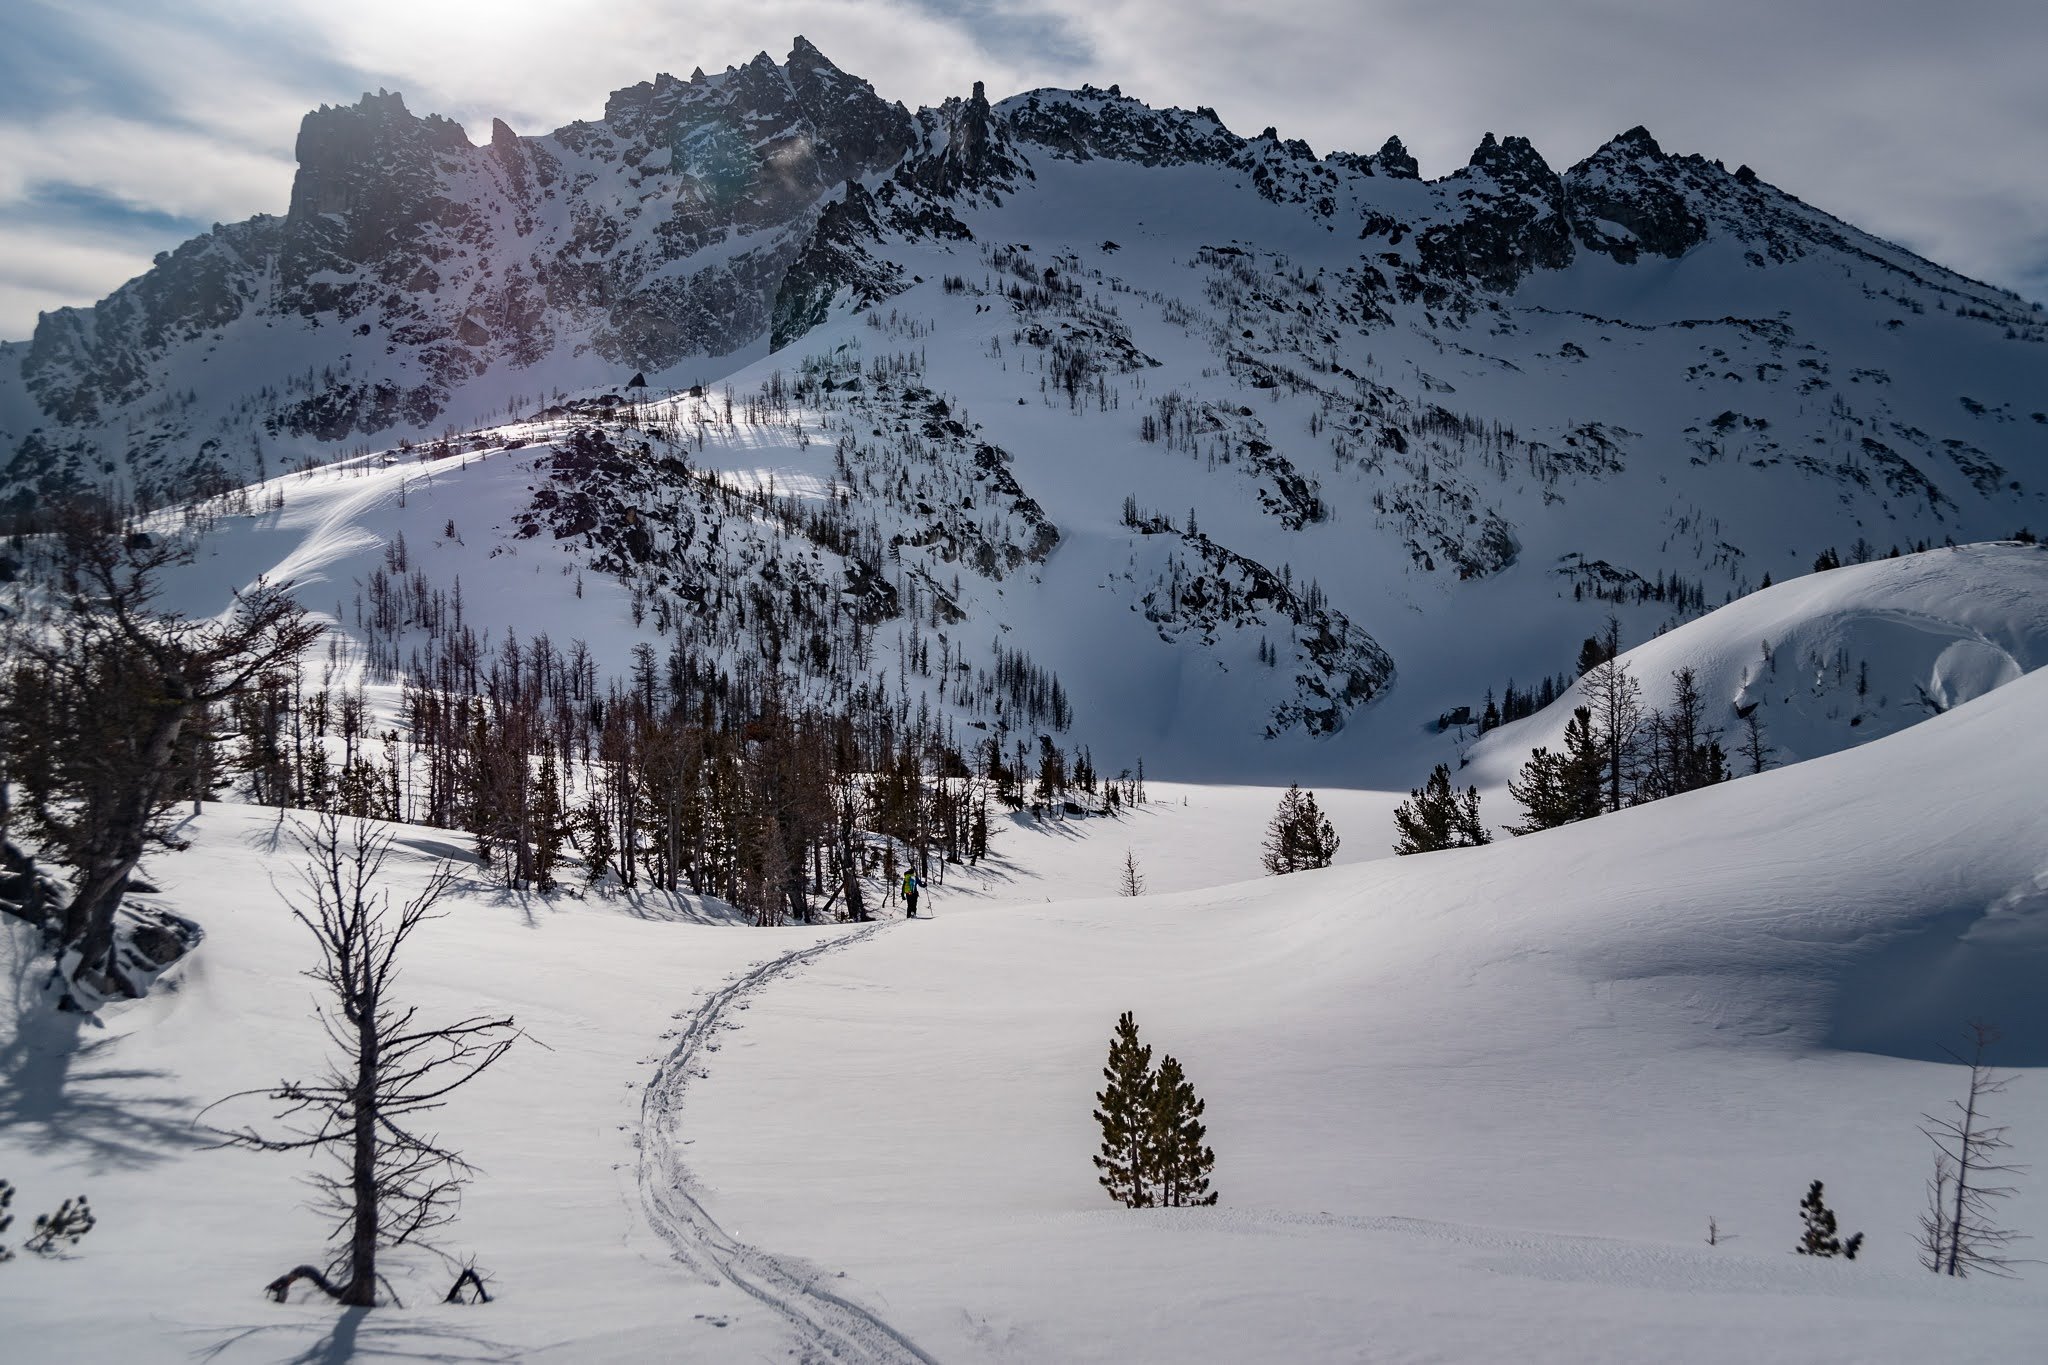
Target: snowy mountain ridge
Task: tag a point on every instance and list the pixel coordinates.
(1182, 434)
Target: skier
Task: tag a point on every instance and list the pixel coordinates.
(911, 886)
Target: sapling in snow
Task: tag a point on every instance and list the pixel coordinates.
(1818, 1236)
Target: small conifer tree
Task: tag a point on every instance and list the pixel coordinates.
(549, 828)
(1298, 836)
(1818, 1236)
(1177, 1132)
(1435, 817)
(1125, 1113)
(1558, 789)
(599, 851)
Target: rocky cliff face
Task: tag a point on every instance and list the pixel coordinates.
(417, 280)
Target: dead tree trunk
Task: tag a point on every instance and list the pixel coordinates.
(398, 1185)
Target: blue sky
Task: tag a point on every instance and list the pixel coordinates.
(127, 126)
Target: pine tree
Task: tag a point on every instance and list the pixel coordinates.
(1436, 817)
(1127, 1157)
(1617, 719)
(1558, 789)
(1299, 836)
(1277, 854)
(549, 829)
(1818, 1237)
(598, 852)
(1754, 749)
(1184, 1162)
(1130, 882)
(1316, 838)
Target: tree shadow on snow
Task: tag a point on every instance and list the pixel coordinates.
(60, 1089)
(363, 1334)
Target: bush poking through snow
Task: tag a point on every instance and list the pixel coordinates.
(54, 1231)
(1819, 1237)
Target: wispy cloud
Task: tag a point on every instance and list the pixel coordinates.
(1925, 124)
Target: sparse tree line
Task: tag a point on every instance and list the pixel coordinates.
(1616, 752)
(1154, 1153)
(683, 776)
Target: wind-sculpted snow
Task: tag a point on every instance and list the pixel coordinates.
(1477, 1104)
(1836, 659)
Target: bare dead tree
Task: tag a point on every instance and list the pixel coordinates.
(1958, 1233)
(1130, 881)
(1754, 748)
(96, 711)
(397, 1183)
(1615, 699)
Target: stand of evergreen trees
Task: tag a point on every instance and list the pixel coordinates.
(1153, 1149)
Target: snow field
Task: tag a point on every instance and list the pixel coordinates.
(1476, 1105)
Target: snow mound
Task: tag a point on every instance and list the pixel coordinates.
(1836, 659)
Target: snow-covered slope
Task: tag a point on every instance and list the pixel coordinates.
(1834, 659)
(1466, 1105)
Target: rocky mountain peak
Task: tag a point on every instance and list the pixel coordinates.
(1630, 184)
(1083, 124)
(1515, 163)
(1636, 142)
(345, 150)
(699, 217)
(964, 147)
(1393, 161)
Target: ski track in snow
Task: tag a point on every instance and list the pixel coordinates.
(829, 1327)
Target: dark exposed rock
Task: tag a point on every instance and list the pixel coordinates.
(963, 148)
(836, 260)
(1087, 123)
(1629, 183)
(1393, 161)
(1511, 218)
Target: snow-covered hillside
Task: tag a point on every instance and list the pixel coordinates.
(1466, 1106)
(1834, 659)
(1320, 437)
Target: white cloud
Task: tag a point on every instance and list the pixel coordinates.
(43, 269)
(182, 172)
